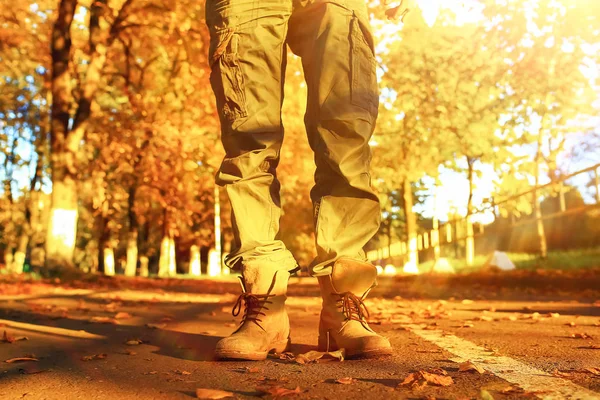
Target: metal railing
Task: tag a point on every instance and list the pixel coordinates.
(461, 230)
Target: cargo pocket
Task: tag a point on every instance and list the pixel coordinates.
(363, 64)
(227, 78)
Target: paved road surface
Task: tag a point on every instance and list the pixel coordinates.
(528, 349)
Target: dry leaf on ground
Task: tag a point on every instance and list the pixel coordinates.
(581, 336)
(469, 366)
(345, 381)
(286, 356)
(278, 392)
(212, 394)
(6, 338)
(122, 315)
(180, 372)
(94, 357)
(314, 356)
(103, 320)
(420, 379)
(592, 370)
(560, 374)
(134, 342)
(20, 359)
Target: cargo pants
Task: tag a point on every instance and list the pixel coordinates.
(248, 47)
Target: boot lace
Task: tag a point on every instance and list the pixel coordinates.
(353, 307)
(254, 304)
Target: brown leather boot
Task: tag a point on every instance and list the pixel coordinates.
(265, 326)
(344, 315)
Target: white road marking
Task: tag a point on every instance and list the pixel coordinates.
(530, 379)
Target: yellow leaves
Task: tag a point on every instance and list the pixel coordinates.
(580, 336)
(468, 366)
(6, 338)
(94, 357)
(592, 370)
(420, 379)
(319, 356)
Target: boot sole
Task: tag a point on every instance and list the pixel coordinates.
(278, 347)
(375, 353)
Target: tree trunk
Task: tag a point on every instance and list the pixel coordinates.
(411, 229)
(195, 266)
(132, 246)
(19, 258)
(62, 225)
(109, 261)
(166, 262)
(132, 253)
(144, 266)
(470, 240)
(543, 247)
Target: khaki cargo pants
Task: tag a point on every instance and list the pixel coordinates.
(248, 59)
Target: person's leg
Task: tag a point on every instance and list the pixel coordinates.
(247, 56)
(334, 41)
(336, 47)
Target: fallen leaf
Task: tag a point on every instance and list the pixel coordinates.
(345, 381)
(467, 301)
(467, 325)
(571, 323)
(592, 370)
(581, 336)
(286, 356)
(6, 338)
(156, 326)
(420, 379)
(486, 318)
(94, 357)
(180, 372)
(314, 356)
(469, 366)
(20, 359)
(560, 374)
(122, 315)
(134, 342)
(212, 394)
